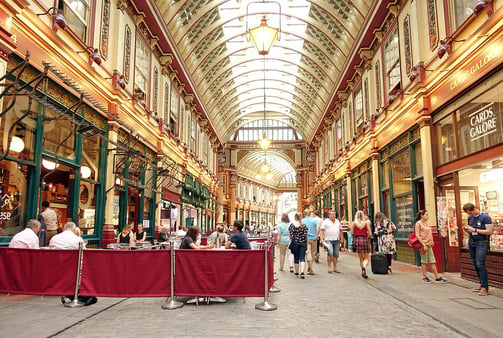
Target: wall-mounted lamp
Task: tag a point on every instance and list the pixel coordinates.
(58, 18)
(445, 46)
(94, 55)
(414, 73)
(16, 144)
(118, 80)
(85, 171)
(480, 5)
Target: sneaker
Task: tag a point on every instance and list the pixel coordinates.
(302, 275)
(441, 280)
(291, 269)
(483, 292)
(477, 289)
(426, 280)
(296, 274)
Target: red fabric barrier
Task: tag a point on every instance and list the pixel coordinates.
(128, 273)
(38, 272)
(224, 273)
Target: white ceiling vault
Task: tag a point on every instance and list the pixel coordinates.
(299, 74)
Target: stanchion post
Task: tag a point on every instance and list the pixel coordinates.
(75, 302)
(273, 288)
(171, 303)
(265, 305)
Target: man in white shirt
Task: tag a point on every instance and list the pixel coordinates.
(331, 235)
(27, 238)
(68, 239)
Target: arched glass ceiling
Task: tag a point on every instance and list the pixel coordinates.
(281, 166)
(274, 129)
(301, 70)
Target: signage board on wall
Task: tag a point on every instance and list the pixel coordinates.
(404, 212)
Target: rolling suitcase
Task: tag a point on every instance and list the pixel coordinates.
(379, 263)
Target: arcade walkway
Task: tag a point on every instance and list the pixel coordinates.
(328, 305)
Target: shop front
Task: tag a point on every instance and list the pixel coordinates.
(469, 143)
(402, 189)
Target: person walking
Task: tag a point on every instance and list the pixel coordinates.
(361, 233)
(331, 236)
(312, 238)
(384, 229)
(425, 238)
(298, 236)
(284, 242)
(479, 227)
(319, 220)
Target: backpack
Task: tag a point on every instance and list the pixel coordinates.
(414, 243)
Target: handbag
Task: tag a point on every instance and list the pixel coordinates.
(414, 243)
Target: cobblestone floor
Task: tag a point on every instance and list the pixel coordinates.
(323, 305)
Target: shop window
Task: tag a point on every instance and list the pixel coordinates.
(460, 11)
(480, 122)
(404, 216)
(174, 110)
(359, 110)
(146, 213)
(385, 174)
(87, 207)
(392, 62)
(55, 182)
(419, 160)
(13, 193)
(445, 140)
(482, 185)
(142, 66)
(58, 135)
(400, 166)
(23, 134)
(76, 13)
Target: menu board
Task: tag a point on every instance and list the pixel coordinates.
(404, 214)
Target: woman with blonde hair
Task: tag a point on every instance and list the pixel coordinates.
(361, 232)
(284, 242)
(126, 236)
(298, 236)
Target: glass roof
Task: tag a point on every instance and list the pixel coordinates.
(297, 79)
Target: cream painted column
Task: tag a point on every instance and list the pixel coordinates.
(428, 172)
(376, 194)
(109, 226)
(232, 197)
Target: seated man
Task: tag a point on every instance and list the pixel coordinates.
(218, 237)
(27, 238)
(68, 239)
(238, 237)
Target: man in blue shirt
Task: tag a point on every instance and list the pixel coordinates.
(480, 228)
(238, 237)
(312, 238)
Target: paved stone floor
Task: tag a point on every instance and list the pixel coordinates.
(323, 305)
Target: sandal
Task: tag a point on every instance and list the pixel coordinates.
(364, 273)
(291, 269)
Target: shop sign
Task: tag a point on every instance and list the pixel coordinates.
(404, 216)
(483, 122)
(465, 76)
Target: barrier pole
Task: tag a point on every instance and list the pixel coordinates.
(265, 305)
(75, 302)
(273, 288)
(171, 303)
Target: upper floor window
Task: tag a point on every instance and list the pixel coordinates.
(193, 133)
(358, 108)
(339, 134)
(392, 62)
(275, 130)
(461, 10)
(142, 66)
(174, 106)
(76, 13)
